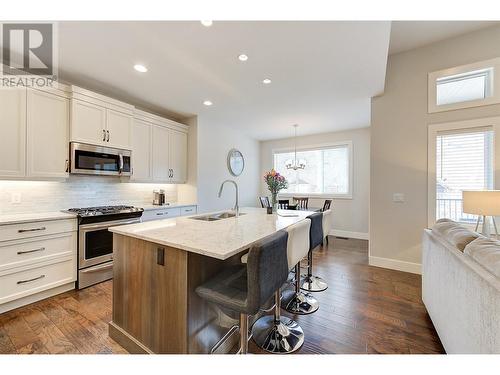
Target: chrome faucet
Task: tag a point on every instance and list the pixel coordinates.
(236, 206)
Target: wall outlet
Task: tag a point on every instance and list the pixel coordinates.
(398, 197)
(15, 198)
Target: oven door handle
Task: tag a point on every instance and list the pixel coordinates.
(97, 269)
(104, 225)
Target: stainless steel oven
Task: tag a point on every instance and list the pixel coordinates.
(95, 242)
(98, 160)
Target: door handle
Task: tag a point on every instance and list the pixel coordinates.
(120, 165)
(107, 131)
(30, 230)
(30, 251)
(103, 135)
(30, 280)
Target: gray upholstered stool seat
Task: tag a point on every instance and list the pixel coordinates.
(314, 283)
(228, 288)
(244, 288)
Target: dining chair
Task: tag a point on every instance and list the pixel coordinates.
(264, 202)
(283, 204)
(326, 205)
(302, 203)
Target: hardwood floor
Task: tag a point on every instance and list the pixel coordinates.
(364, 310)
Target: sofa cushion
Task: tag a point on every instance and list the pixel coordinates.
(486, 252)
(454, 233)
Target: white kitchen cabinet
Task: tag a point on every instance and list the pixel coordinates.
(88, 123)
(161, 154)
(99, 120)
(118, 129)
(178, 156)
(141, 151)
(12, 133)
(47, 135)
(37, 260)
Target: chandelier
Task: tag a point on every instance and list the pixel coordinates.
(295, 164)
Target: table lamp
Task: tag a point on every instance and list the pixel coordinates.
(485, 204)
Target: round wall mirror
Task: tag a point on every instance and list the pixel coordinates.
(235, 162)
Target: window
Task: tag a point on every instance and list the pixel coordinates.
(464, 86)
(327, 171)
(464, 161)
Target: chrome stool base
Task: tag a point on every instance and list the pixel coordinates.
(314, 284)
(300, 303)
(277, 336)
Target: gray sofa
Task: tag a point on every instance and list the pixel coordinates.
(461, 287)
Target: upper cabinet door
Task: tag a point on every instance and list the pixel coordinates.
(160, 155)
(141, 151)
(178, 156)
(47, 135)
(12, 132)
(88, 123)
(119, 129)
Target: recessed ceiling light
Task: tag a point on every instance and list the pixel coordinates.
(243, 57)
(208, 103)
(266, 81)
(140, 68)
(206, 23)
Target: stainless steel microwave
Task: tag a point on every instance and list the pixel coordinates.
(98, 160)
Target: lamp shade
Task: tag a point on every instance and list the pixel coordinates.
(482, 202)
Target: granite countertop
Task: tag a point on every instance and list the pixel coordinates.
(219, 239)
(6, 219)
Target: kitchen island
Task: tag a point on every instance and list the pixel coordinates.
(158, 265)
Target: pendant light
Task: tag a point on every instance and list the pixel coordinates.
(295, 164)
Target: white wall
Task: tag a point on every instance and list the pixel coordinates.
(399, 143)
(350, 217)
(214, 142)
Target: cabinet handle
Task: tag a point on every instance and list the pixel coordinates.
(67, 165)
(30, 251)
(31, 230)
(107, 131)
(161, 213)
(188, 210)
(172, 174)
(30, 280)
(103, 135)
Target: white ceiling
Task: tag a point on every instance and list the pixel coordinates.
(406, 35)
(323, 73)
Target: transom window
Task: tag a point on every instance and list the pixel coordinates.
(475, 85)
(327, 171)
(465, 86)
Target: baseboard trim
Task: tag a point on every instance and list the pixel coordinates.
(349, 234)
(394, 264)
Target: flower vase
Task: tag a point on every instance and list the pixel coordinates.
(274, 202)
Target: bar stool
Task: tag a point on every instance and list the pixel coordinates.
(298, 247)
(314, 283)
(327, 224)
(276, 333)
(243, 288)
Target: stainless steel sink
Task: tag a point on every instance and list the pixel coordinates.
(215, 217)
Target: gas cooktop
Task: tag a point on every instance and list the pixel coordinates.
(104, 210)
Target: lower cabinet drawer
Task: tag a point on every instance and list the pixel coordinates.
(191, 210)
(35, 280)
(160, 214)
(12, 232)
(37, 250)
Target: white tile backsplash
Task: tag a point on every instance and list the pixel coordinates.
(77, 191)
